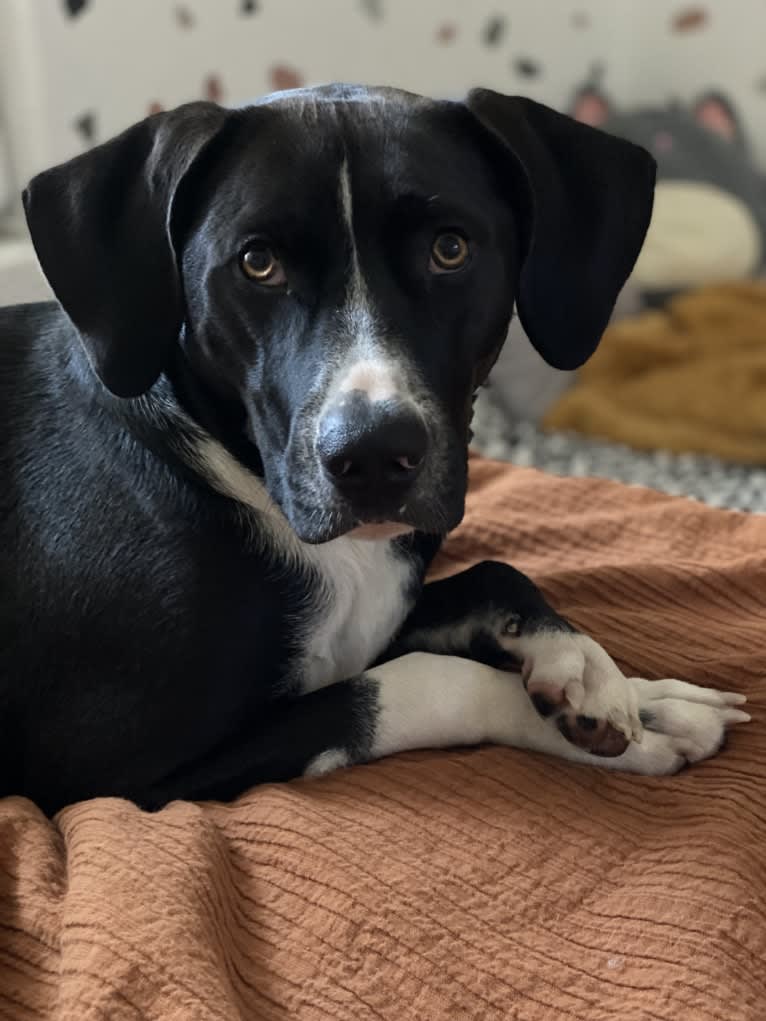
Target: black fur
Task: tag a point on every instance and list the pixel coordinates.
(151, 627)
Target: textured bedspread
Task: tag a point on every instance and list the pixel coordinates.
(465, 884)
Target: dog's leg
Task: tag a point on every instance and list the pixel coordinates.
(424, 700)
(496, 615)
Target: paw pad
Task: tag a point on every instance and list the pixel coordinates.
(595, 736)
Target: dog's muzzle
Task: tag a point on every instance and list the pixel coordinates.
(372, 451)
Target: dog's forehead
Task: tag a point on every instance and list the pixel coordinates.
(359, 100)
(298, 140)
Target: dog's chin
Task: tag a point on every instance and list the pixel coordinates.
(320, 523)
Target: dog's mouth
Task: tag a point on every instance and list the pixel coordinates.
(319, 522)
(382, 530)
(333, 522)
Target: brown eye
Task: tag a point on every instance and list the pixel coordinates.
(259, 263)
(449, 252)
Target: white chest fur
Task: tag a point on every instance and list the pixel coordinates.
(361, 603)
(361, 585)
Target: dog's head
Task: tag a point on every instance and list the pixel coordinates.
(326, 277)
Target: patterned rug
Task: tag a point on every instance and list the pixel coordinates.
(715, 482)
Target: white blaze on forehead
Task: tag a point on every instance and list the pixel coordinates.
(379, 380)
(367, 368)
(346, 202)
(358, 315)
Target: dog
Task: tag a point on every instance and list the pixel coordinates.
(232, 446)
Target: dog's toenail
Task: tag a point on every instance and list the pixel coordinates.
(587, 722)
(543, 705)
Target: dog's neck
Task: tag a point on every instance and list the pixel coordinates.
(223, 420)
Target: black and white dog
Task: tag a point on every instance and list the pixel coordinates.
(229, 453)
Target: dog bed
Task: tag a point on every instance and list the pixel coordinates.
(463, 884)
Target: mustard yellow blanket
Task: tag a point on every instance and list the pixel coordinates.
(689, 378)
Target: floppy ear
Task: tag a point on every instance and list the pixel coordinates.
(102, 228)
(589, 201)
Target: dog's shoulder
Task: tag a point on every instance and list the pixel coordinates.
(37, 346)
(27, 333)
(29, 319)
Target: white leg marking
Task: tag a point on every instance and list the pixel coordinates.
(431, 701)
(327, 762)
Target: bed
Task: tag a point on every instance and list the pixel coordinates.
(469, 883)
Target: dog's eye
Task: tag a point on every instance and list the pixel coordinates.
(259, 263)
(449, 252)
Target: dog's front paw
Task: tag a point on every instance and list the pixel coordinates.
(570, 678)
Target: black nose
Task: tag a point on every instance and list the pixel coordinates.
(372, 450)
